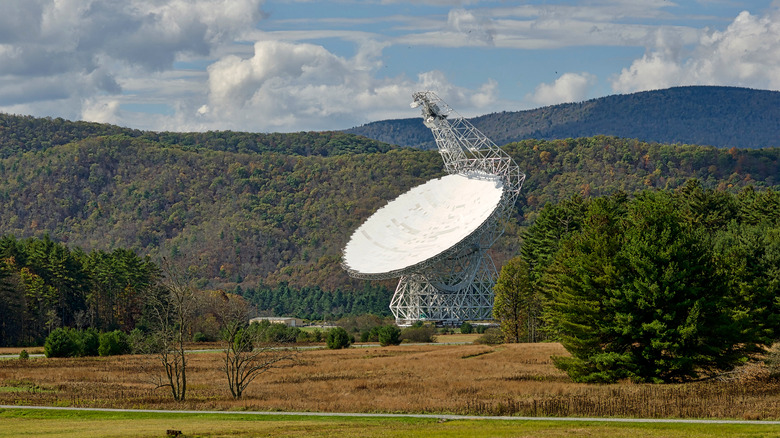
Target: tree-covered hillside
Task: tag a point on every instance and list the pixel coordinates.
(703, 115)
(230, 216)
(601, 165)
(20, 134)
(251, 218)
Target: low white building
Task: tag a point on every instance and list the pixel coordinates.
(288, 321)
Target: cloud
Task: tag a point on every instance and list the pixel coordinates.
(548, 26)
(236, 80)
(286, 86)
(486, 95)
(453, 3)
(101, 111)
(475, 28)
(20, 20)
(570, 87)
(82, 49)
(33, 90)
(224, 64)
(745, 54)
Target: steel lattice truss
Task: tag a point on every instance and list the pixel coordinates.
(458, 285)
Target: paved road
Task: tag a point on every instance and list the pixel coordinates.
(431, 416)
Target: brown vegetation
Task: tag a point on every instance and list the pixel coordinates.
(516, 379)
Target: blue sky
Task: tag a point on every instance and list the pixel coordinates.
(282, 66)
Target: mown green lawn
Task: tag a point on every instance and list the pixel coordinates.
(63, 423)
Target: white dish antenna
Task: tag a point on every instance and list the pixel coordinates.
(422, 224)
(435, 236)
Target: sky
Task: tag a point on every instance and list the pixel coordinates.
(300, 65)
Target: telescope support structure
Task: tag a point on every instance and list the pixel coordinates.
(459, 287)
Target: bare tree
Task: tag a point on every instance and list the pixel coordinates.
(171, 306)
(246, 355)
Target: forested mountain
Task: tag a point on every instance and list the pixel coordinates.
(250, 218)
(703, 115)
(24, 133)
(230, 216)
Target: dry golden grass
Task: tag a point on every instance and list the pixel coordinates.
(457, 338)
(510, 379)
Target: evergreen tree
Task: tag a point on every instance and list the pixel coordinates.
(12, 307)
(639, 297)
(388, 335)
(581, 275)
(749, 261)
(515, 305)
(338, 338)
(555, 223)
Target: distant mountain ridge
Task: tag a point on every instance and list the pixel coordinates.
(702, 115)
(20, 134)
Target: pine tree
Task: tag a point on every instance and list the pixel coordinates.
(748, 259)
(638, 296)
(515, 305)
(581, 275)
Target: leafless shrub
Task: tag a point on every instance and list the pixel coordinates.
(172, 304)
(245, 357)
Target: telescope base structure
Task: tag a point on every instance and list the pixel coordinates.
(417, 299)
(435, 236)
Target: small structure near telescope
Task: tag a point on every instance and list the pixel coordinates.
(435, 236)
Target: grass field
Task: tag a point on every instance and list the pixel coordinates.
(514, 379)
(66, 424)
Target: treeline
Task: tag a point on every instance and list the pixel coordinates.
(661, 286)
(72, 342)
(703, 115)
(313, 303)
(20, 134)
(599, 166)
(45, 285)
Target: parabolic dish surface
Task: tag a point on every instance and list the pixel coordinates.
(422, 223)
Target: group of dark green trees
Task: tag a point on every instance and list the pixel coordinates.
(314, 303)
(661, 286)
(70, 342)
(44, 285)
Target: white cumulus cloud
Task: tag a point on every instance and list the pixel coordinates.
(746, 54)
(101, 110)
(74, 51)
(570, 87)
(285, 86)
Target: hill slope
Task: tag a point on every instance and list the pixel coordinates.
(704, 115)
(245, 218)
(230, 216)
(20, 134)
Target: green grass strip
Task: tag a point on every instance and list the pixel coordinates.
(62, 423)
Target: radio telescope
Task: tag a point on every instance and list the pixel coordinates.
(435, 237)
